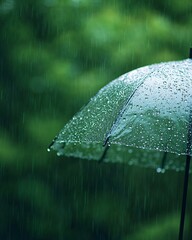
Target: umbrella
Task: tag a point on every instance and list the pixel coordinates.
(144, 117)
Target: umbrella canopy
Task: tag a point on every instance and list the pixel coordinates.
(144, 116)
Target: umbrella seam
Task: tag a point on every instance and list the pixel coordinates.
(119, 116)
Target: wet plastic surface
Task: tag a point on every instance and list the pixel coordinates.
(141, 115)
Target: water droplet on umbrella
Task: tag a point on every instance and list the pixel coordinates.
(160, 170)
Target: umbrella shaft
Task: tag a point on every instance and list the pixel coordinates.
(185, 187)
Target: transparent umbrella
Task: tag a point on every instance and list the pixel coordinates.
(144, 117)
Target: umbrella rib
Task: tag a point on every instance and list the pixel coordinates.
(119, 116)
(163, 160)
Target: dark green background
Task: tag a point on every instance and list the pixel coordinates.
(55, 55)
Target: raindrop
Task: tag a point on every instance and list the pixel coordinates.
(130, 151)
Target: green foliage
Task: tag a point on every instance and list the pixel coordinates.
(167, 230)
(54, 55)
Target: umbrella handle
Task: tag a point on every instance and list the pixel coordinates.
(184, 200)
(187, 167)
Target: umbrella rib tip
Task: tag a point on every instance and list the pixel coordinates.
(106, 141)
(51, 144)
